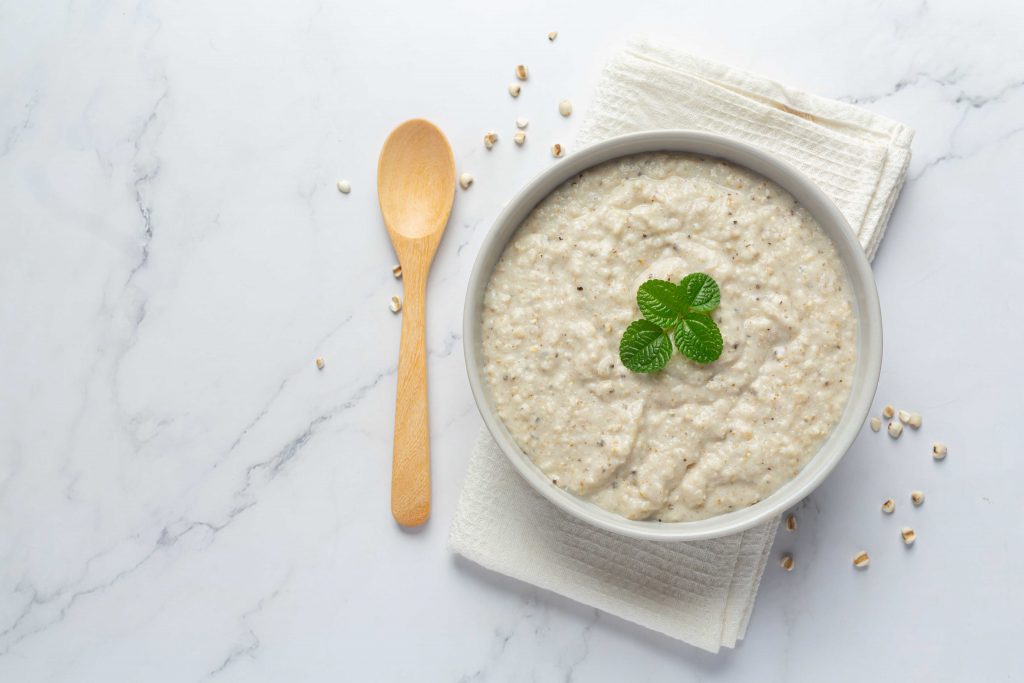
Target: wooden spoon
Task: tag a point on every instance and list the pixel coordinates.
(416, 187)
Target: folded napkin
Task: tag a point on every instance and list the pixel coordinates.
(700, 592)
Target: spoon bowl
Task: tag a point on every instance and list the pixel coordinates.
(416, 181)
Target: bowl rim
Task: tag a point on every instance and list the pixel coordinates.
(865, 302)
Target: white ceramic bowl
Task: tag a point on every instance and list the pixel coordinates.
(869, 329)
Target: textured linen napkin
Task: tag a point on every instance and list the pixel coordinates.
(700, 592)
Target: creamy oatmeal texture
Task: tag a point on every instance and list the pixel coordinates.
(691, 441)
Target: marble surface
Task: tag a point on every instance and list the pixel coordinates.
(183, 496)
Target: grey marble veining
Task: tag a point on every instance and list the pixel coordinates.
(184, 496)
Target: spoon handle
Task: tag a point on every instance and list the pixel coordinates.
(410, 468)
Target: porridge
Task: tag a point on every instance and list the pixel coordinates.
(691, 441)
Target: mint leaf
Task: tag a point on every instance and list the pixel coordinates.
(698, 338)
(645, 347)
(702, 293)
(661, 302)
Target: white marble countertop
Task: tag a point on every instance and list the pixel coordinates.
(183, 496)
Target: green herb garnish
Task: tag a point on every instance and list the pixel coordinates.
(673, 313)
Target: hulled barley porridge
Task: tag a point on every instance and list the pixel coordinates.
(691, 441)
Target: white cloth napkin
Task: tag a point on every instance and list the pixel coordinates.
(702, 592)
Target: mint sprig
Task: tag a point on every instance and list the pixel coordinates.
(673, 313)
